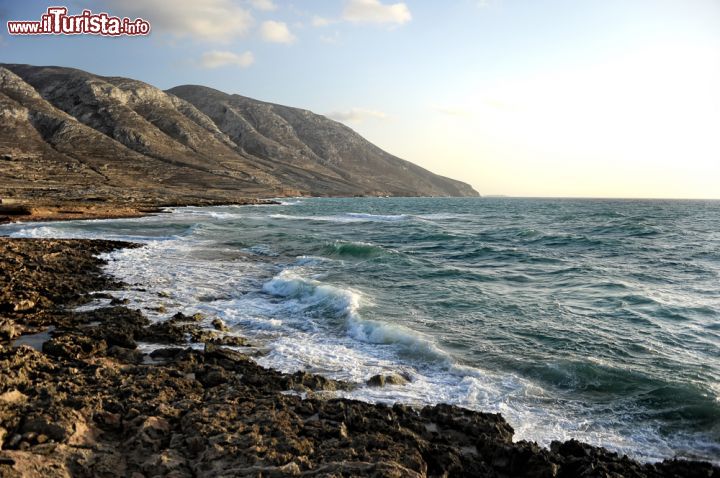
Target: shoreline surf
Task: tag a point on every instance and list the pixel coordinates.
(294, 292)
(188, 412)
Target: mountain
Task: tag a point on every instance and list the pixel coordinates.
(314, 142)
(67, 134)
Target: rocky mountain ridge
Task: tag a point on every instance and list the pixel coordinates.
(69, 135)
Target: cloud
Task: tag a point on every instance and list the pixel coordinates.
(265, 5)
(276, 32)
(217, 59)
(355, 115)
(318, 21)
(374, 11)
(209, 20)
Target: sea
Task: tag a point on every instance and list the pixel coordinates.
(574, 318)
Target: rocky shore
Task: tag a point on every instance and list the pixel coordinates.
(26, 210)
(78, 398)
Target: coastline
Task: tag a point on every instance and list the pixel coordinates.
(26, 211)
(86, 401)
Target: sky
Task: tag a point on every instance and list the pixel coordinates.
(579, 98)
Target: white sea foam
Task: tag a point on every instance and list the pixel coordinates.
(345, 304)
(443, 216)
(311, 293)
(379, 217)
(377, 332)
(35, 231)
(343, 218)
(261, 250)
(314, 218)
(309, 261)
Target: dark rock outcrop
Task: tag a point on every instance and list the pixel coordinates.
(383, 380)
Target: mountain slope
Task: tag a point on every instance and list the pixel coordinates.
(297, 136)
(69, 134)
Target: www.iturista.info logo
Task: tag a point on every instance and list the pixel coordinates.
(57, 22)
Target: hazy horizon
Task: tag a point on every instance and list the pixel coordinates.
(556, 99)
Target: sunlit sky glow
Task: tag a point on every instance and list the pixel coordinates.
(591, 98)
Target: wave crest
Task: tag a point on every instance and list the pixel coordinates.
(345, 304)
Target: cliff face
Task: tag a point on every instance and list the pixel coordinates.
(68, 132)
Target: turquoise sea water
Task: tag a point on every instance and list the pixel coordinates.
(592, 319)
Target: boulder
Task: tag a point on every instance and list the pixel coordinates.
(8, 330)
(383, 380)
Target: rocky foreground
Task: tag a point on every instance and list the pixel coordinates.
(77, 398)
